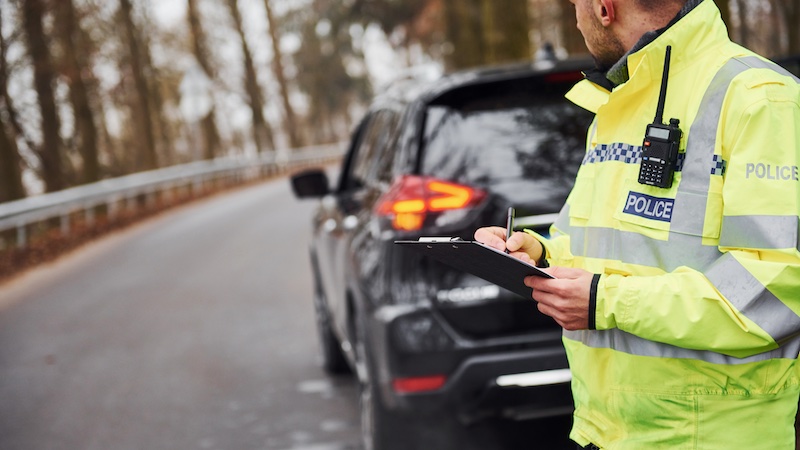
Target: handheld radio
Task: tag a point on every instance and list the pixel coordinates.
(661, 141)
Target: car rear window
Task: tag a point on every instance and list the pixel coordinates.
(521, 140)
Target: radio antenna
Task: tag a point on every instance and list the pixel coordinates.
(662, 97)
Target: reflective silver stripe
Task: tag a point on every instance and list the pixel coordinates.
(634, 248)
(753, 299)
(562, 221)
(634, 345)
(760, 232)
(690, 200)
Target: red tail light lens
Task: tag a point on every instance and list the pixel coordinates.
(418, 384)
(411, 198)
(564, 77)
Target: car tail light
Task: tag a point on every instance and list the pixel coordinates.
(418, 384)
(564, 77)
(412, 198)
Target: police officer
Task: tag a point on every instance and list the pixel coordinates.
(679, 302)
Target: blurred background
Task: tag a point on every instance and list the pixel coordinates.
(195, 329)
(94, 89)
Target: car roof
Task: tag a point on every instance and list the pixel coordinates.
(425, 87)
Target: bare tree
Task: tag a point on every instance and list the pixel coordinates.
(321, 66)
(262, 132)
(486, 32)
(33, 12)
(10, 173)
(505, 31)
(277, 67)
(155, 79)
(572, 40)
(147, 147)
(789, 10)
(725, 11)
(211, 137)
(464, 35)
(75, 65)
(11, 187)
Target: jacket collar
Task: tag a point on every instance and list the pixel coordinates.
(618, 73)
(697, 27)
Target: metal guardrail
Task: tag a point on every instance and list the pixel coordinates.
(20, 214)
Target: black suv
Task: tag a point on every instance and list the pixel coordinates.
(436, 350)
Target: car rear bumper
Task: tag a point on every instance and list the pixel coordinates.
(520, 379)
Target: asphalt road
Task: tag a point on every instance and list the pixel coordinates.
(192, 330)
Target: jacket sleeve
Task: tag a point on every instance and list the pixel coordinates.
(556, 248)
(747, 302)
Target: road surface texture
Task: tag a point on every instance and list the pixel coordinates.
(191, 330)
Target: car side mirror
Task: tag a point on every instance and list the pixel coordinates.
(312, 183)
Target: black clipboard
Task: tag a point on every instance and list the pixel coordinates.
(480, 260)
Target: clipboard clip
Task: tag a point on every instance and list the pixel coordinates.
(439, 239)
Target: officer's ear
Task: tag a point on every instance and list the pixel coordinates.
(604, 9)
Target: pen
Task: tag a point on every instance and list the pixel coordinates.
(509, 224)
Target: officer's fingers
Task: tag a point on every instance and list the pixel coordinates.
(524, 242)
(492, 236)
(544, 284)
(544, 303)
(523, 256)
(553, 305)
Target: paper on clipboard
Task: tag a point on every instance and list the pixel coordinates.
(480, 260)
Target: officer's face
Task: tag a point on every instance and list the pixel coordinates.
(601, 42)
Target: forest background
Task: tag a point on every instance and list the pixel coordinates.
(93, 89)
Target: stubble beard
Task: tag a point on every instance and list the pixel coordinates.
(605, 47)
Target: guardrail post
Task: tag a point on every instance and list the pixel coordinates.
(22, 235)
(111, 210)
(65, 224)
(89, 215)
(150, 200)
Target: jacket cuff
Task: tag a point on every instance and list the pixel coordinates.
(542, 262)
(593, 302)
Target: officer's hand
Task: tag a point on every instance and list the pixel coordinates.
(566, 298)
(520, 245)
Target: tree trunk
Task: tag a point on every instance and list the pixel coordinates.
(262, 133)
(505, 30)
(463, 31)
(572, 39)
(277, 66)
(725, 11)
(74, 65)
(11, 187)
(148, 155)
(43, 76)
(486, 32)
(10, 171)
(211, 139)
(744, 31)
(159, 122)
(789, 13)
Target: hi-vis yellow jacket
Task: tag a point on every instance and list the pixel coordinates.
(695, 310)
